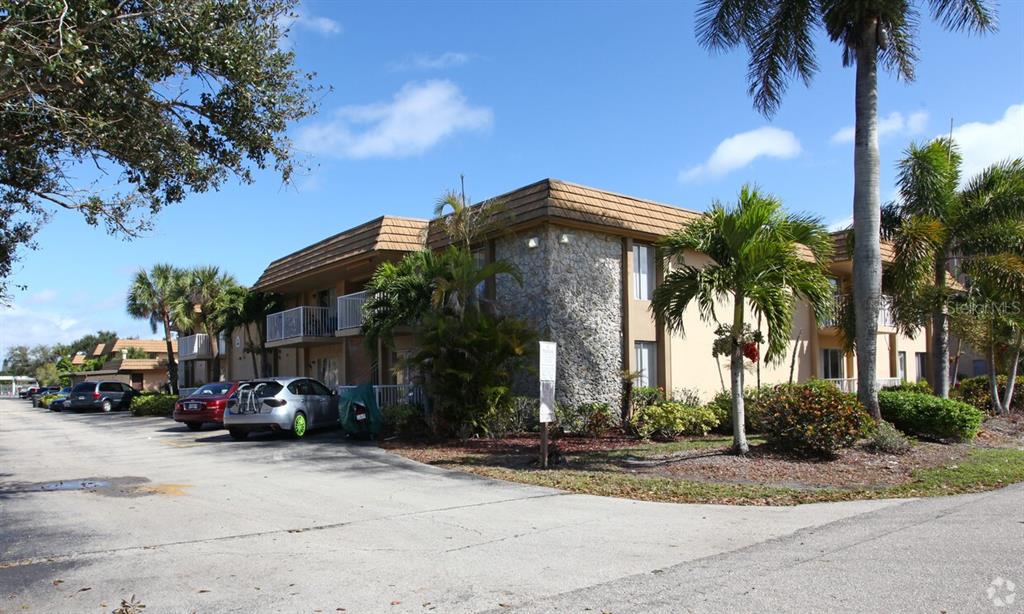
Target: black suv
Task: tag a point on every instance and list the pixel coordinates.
(100, 395)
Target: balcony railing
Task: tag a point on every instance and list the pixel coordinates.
(350, 310)
(393, 394)
(885, 318)
(300, 322)
(194, 346)
(849, 384)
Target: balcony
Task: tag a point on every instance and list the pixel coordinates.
(849, 384)
(350, 313)
(195, 347)
(885, 319)
(300, 325)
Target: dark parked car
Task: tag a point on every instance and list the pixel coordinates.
(26, 393)
(205, 404)
(104, 396)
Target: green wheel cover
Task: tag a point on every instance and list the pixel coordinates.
(299, 426)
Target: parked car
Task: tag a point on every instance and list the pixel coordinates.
(205, 404)
(103, 395)
(42, 392)
(26, 391)
(47, 400)
(295, 404)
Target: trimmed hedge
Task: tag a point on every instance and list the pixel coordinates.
(721, 405)
(922, 387)
(153, 405)
(976, 391)
(669, 419)
(815, 417)
(926, 415)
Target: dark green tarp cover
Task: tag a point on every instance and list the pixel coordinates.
(347, 401)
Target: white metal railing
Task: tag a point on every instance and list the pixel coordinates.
(350, 310)
(194, 346)
(300, 322)
(393, 394)
(885, 318)
(849, 384)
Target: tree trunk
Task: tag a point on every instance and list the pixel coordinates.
(172, 365)
(215, 363)
(251, 347)
(739, 432)
(993, 376)
(940, 333)
(956, 362)
(867, 257)
(1011, 378)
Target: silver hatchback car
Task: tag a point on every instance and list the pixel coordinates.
(295, 404)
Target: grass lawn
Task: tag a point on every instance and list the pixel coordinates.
(699, 470)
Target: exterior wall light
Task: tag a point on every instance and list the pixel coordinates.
(563, 238)
(532, 242)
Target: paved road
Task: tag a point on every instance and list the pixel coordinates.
(195, 522)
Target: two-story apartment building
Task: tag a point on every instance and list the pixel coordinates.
(589, 268)
(149, 373)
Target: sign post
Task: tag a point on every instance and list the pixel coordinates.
(548, 360)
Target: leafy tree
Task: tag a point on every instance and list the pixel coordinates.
(934, 226)
(18, 361)
(757, 259)
(779, 36)
(248, 310)
(203, 304)
(47, 374)
(151, 296)
(165, 96)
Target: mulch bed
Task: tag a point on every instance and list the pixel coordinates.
(857, 467)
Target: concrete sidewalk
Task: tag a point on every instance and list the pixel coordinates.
(195, 522)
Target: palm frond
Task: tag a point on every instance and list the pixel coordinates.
(975, 16)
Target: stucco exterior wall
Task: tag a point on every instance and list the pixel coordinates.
(571, 294)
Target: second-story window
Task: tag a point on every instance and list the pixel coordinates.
(643, 271)
(480, 260)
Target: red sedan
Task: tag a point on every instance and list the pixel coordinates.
(206, 404)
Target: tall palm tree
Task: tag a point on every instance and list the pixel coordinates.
(779, 35)
(151, 297)
(757, 257)
(248, 310)
(203, 305)
(935, 225)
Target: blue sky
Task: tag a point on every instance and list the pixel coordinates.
(613, 95)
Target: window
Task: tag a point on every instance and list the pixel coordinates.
(643, 271)
(647, 363)
(84, 387)
(110, 387)
(921, 358)
(901, 366)
(316, 387)
(218, 389)
(831, 363)
(480, 260)
(980, 366)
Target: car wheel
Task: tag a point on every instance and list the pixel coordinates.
(299, 425)
(194, 426)
(106, 405)
(238, 434)
(52, 408)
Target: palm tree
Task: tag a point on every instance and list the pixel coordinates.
(758, 258)
(151, 297)
(204, 304)
(779, 35)
(248, 309)
(934, 226)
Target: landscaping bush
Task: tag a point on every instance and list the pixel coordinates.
(887, 439)
(930, 416)
(977, 391)
(153, 405)
(721, 405)
(815, 417)
(586, 418)
(922, 387)
(404, 420)
(670, 419)
(647, 395)
(686, 396)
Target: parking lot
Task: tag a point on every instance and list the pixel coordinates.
(98, 507)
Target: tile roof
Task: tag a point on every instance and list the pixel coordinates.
(556, 200)
(78, 358)
(386, 233)
(100, 349)
(842, 252)
(142, 364)
(152, 346)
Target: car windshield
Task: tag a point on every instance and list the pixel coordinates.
(84, 387)
(218, 389)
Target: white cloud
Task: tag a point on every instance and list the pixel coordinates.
(741, 149)
(43, 296)
(984, 144)
(892, 124)
(304, 20)
(432, 62)
(25, 326)
(418, 117)
(841, 224)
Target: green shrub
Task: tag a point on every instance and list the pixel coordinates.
(585, 418)
(647, 395)
(887, 439)
(153, 405)
(670, 419)
(721, 405)
(977, 391)
(686, 396)
(930, 416)
(815, 417)
(404, 420)
(922, 387)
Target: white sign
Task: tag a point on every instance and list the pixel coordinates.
(548, 360)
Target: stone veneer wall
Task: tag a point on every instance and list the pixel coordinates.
(572, 294)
